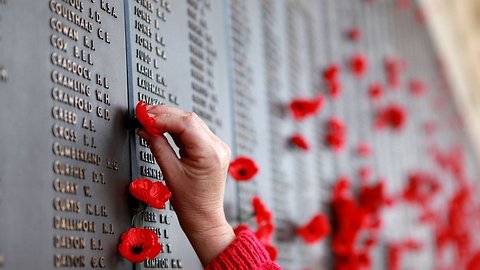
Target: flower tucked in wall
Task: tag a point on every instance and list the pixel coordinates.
(363, 149)
(138, 244)
(155, 194)
(336, 133)
(315, 230)
(302, 108)
(393, 67)
(299, 142)
(332, 80)
(354, 34)
(146, 120)
(265, 226)
(416, 87)
(393, 116)
(243, 169)
(358, 65)
(375, 92)
(422, 186)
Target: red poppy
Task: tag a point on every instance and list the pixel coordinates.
(358, 65)
(243, 169)
(264, 232)
(138, 244)
(331, 74)
(241, 228)
(375, 92)
(363, 149)
(416, 87)
(156, 194)
(364, 173)
(315, 230)
(146, 120)
(272, 251)
(474, 263)
(422, 186)
(335, 136)
(300, 142)
(302, 108)
(403, 4)
(262, 214)
(372, 197)
(420, 15)
(393, 116)
(334, 89)
(354, 34)
(393, 67)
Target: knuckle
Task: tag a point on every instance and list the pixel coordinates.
(191, 119)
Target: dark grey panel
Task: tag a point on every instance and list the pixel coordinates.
(64, 163)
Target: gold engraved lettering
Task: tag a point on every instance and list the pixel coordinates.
(71, 83)
(76, 154)
(64, 133)
(71, 66)
(71, 261)
(72, 224)
(63, 29)
(65, 186)
(71, 16)
(66, 205)
(96, 210)
(68, 170)
(69, 242)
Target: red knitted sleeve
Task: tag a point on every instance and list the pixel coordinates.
(244, 253)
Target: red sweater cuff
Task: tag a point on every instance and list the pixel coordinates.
(244, 253)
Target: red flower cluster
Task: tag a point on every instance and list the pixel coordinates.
(397, 250)
(299, 142)
(336, 133)
(332, 80)
(146, 120)
(302, 108)
(393, 116)
(138, 244)
(349, 219)
(422, 187)
(358, 65)
(354, 34)
(243, 169)
(265, 226)
(375, 92)
(156, 194)
(372, 199)
(416, 87)
(315, 230)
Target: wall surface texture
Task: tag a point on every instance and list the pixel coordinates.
(72, 71)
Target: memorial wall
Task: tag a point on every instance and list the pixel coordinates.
(72, 72)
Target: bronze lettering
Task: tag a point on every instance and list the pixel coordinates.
(66, 205)
(72, 224)
(70, 261)
(69, 242)
(65, 186)
(68, 170)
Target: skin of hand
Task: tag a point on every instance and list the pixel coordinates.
(196, 178)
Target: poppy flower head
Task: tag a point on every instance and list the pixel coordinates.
(422, 186)
(375, 92)
(146, 120)
(243, 169)
(358, 65)
(331, 73)
(262, 214)
(300, 142)
(363, 149)
(302, 108)
(354, 34)
(393, 67)
(241, 228)
(155, 194)
(334, 89)
(393, 116)
(272, 251)
(416, 87)
(138, 244)
(336, 133)
(264, 232)
(315, 230)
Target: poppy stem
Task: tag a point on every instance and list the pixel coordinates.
(136, 214)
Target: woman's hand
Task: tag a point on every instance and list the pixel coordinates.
(196, 179)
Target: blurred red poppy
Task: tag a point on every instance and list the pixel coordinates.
(375, 92)
(155, 194)
(243, 169)
(354, 34)
(146, 120)
(393, 116)
(358, 65)
(315, 230)
(302, 108)
(300, 142)
(138, 244)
